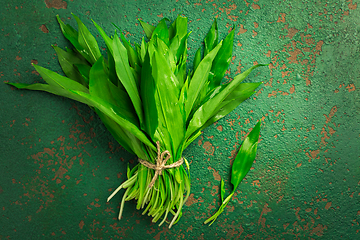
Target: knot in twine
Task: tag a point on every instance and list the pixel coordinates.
(160, 163)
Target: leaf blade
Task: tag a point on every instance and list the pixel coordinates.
(126, 76)
(245, 157)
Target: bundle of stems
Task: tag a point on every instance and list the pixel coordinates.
(148, 100)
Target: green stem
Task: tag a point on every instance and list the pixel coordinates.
(221, 209)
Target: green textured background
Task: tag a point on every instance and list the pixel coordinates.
(59, 164)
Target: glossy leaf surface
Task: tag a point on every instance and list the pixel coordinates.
(245, 157)
(87, 42)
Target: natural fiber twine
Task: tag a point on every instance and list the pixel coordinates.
(160, 163)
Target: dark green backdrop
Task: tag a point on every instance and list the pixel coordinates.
(59, 164)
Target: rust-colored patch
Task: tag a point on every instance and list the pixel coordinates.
(352, 6)
(220, 128)
(34, 61)
(293, 55)
(255, 6)
(215, 174)
(328, 205)
(319, 229)
(242, 30)
(265, 210)
(291, 31)
(191, 200)
(81, 224)
(18, 58)
(314, 153)
(209, 148)
(351, 87)
(319, 45)
(331, 114)
(331, 130)
(254, 33)
(56, 4)
(268, 54)
(281, 18)
(292, 89)
(256, 25)
(44, 28)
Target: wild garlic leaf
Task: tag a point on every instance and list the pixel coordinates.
(206, 110)
(222, 190)
(68, 61)
(245, 157)
(125, 75)
(58, 80)
(222, 61)
(148, 29)
(211, 39)
(240, 94)
(88, 42)
(199, 79)
(161, 31)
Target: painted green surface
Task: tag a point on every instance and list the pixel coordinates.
(59, 164)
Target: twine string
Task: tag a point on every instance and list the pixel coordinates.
(160, 163)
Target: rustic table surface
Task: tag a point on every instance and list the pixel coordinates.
(59, 164)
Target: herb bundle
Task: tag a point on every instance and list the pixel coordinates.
(148, 100)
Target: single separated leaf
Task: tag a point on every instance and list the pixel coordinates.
(241, 166)
(245, 157)
(222, 190)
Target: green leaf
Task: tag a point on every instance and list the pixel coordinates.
(206, 110)
(245, 157)
(222, 61)
(240, 94)
(168, 93)
(68, 60)
(240, 167)
(133, 56)
(148, 29)
(126, 77)
(199, 79)
(100, 86)
(87, 41)
(147, 91)
(72, 35)
(197, 59)
(211, 39)
(57, 80)
(128, 171)
(178, 38)
(110, 110)
(222, 190)
(84, 71)
(162, 32)
(107, 39)
(143, 49)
